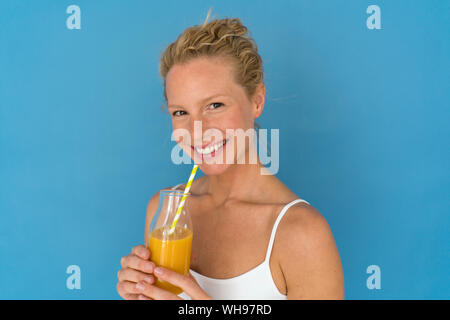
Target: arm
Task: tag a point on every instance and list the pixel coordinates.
(309, 258)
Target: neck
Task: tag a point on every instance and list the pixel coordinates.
(238, 182)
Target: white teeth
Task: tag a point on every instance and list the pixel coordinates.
(210, 149)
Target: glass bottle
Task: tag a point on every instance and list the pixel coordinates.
(171, 250)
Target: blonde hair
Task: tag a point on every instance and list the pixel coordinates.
(223, 38)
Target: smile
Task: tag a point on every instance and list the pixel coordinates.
(210, 148)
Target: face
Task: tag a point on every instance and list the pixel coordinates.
(204, 90)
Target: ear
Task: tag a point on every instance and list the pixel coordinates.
(258, 100)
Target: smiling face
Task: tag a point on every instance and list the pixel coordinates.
(204, 89)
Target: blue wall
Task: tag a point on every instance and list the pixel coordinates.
(363, 117)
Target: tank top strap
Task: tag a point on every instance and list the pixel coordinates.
(275, 226)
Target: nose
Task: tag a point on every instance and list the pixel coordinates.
(198, 127)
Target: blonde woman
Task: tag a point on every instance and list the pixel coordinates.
(254, 238)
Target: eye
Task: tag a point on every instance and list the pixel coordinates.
(217, 104)
(177, 113)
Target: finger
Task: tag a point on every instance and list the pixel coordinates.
(133, 275)
(141, 251)
(155, 293)
(187, 283)
(127, 287)
(134, 262)
(131, 296)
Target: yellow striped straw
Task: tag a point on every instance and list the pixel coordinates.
(180, 206)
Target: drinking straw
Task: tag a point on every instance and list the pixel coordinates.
(180, 206)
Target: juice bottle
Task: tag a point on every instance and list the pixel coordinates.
(171, 250)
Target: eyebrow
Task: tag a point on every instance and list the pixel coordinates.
(201, 101)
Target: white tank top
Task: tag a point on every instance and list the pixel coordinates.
(256, 284)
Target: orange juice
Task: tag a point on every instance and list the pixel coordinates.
(172, 252)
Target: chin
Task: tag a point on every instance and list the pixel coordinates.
(211, 161)
(213, 169)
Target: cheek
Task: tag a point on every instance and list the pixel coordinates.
(181, 134)
(235, 120)
(177, 124)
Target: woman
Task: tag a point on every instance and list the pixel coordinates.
(254, 238)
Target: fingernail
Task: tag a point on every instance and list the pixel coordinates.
(158, 271)
(140, 286)
(144, 253)
(148, 279)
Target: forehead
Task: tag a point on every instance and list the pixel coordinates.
(200, 77)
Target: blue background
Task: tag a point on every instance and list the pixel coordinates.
(363, 118)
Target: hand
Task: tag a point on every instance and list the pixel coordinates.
(187, 283)
(136, 267)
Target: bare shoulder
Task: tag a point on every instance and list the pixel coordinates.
(308, 255)
(301, 220)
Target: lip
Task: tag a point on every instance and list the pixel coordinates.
(215, 152)
(204, 145)
(208, 144)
